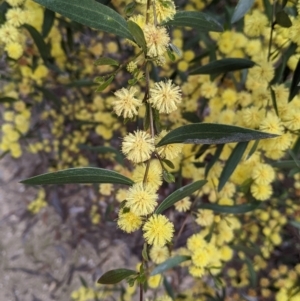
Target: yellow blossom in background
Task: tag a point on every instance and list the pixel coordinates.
(183, 205)
(105, 189)
(8, 34)
(165, 96)
(141, 199)
(255, 23)
(15, 17)
(205, 217)
(155, 281)
(138, 147)
(169, 151)
(158, 230)
(126, 104)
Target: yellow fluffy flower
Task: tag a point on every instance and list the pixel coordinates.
(263, 174)
(159, 254)
(165, 96)
(255, 24)
(141, 199)
(138, 147)
(165, 10)
(157, 40)
(8, 33)
(129, 222)
(261, 192)
(158, 230)
(154, 174)
(264, 72)
(271, 124)
(15, 17)
(126, 104)
(183, 205)
(205, 217)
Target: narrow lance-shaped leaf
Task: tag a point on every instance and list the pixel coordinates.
(288, 164)
(178, 195)
(283, 19)
(241, 9)
(214, 159)
(39, 42)
(79, 175)
(106, 61)
(232, 163)
(223, 66)
(49, 17)
(169, 264)
(115, 276)
(295, 86)
(211, 133)
(90, 13)
(235, 209)
(252, 272)
(138, 35)
(7, 99)
(50, 96)
(198, 20)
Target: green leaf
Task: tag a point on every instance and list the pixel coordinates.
(115, 276)
(103, 150)
(129, 8)
(79, 175)
(214, 159)
(168, 177)
(138, 35)
(288, 164)
(169, 163)
(253, 149)
(39, 42)
(7, 99)
(81, 83)
(49, 17)
(295, 224)
(178, 195)
(274, 101)
(252, 273)
(168, 288)
(211, 133)
(241, 9)
(295, 86)
(171, 55)
(232, 162)
(169, 263)
(198, 20)
(102, 61)
(90, 13)
(50, 96)
(103, 86)
(293, 171)
(235, 209)
(223, 66)
(283, 19)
